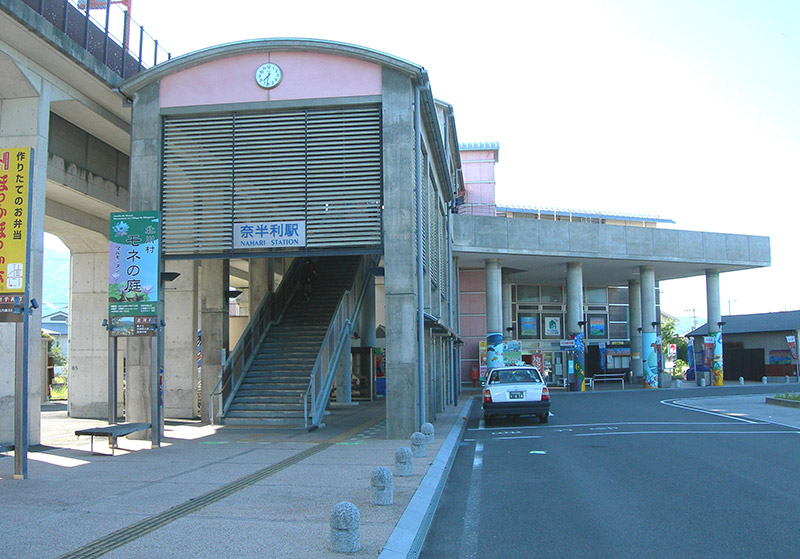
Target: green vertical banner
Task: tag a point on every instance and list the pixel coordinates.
(579, 361)
(716, 360)
(650, 347)
(134, 256)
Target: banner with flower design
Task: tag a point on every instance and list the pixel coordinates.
(133, 273)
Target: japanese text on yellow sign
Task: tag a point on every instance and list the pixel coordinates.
(15, 166)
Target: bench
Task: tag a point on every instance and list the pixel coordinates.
(112, 432)
(605, 377)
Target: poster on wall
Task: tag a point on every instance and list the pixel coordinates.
(597, 326)
(529, 326)
(552, 326)
(15, 181)
(133, 273)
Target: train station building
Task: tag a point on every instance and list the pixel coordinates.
(322, 236)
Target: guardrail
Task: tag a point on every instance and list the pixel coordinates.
(337, 337)
(270, 311)
(105, 30)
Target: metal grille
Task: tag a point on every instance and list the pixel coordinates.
(321, 166)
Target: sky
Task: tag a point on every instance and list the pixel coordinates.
(687, 109)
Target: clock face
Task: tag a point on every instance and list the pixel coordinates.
(268, 75)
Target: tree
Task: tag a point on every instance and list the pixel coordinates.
(670, 336)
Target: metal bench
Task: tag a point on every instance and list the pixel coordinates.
(112, 432)
(604, 377)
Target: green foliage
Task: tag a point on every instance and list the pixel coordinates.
(670, 336)
(54, 349)
(58, 390)
(789, 396)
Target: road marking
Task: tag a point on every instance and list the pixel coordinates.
(472, 513)
(674, 404)
(538, 452)
(609, 433)
(517, 438)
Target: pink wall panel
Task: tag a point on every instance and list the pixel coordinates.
(473, 326)
(473, 303)
(472, 280)
(305, 76)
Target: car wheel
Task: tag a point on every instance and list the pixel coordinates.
(544, 417)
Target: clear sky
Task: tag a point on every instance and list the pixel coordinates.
(689, 109)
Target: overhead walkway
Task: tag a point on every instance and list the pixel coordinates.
(293, 365)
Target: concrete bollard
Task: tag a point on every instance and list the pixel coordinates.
(703, 381)
(763, 380)
(678, 383)
(427, 430)
(382, 486)
(741, 380)
(404, 462)
(345, 528)
(418, 444)
(787, 380)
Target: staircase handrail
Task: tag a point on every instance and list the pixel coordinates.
(340, 329)
(269, 312)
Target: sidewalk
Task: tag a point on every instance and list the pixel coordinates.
(220, 491)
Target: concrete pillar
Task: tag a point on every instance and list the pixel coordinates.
(344, 385)
(366, 327)
(508, 331)
(635, 318)
(180, 340)
(714, 324)
(494, 297)
(260, 282)
(88, 339)
(649, 355)
(24, 122)
(574, 319)
(145, 195)
(214, 278)
(400, 263)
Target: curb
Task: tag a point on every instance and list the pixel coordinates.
(782, 402)
(407, 538)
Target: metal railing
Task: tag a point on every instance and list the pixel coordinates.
(337, 338)
(270, 311)
(105, 30)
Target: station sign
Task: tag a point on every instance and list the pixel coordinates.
(269, 235)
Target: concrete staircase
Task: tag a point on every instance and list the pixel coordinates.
(272, 389)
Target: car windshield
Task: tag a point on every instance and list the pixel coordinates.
(514, 375)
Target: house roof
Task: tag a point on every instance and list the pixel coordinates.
(788, 321)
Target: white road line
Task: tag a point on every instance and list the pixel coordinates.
(700, 410)
(613, 433)
(472, 513)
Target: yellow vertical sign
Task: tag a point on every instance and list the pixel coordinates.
(15, 180)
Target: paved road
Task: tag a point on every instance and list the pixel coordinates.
(624, 474)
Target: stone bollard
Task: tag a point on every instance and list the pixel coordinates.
(741, 380)
(345, 528)
(703, 381)
(382, 486)
(427, 430)
(418, 444)
(787, 380)
(678, 383)
(763, 380)
(404, 462)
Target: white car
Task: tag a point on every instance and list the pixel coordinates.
(515, 391)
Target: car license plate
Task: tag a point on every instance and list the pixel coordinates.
(516, 395)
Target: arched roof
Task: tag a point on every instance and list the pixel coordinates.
(229, 50)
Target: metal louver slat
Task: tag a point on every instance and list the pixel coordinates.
(317, 166)
(197, 184)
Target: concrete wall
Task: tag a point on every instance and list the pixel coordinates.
(401, 298)
(544, 238)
